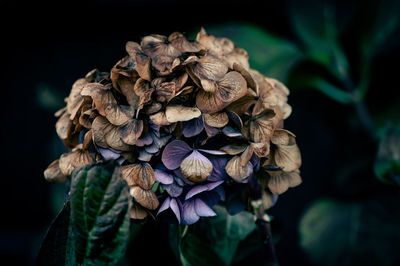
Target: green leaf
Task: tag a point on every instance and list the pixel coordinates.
(55, 243)
(195, 252)
(387, 162)
(269, 54)
(352, 233)
(317, 25)
(224, 232)
(100, 219)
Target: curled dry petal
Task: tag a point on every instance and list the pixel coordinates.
(234, 149)
(53, 173)
(196, 167)
(126, 86)
(146, 198)
(75, 99)
(137, 212)
(64, 126)
(217, 120)
(230, 88)
(143, 65)
(107, 135)
(160, 119)
(181, 113)
(139, 174)
(106, 104)
(286, 155)
(70, 161)
(130, 131)
(280, 181)
(235, 169)
(262, 127)
(174, 153)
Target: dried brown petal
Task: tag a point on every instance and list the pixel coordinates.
(230, 88)
(217, 120)
(234, 149)
(106, 135)
(218, 46)
(126, 86)
(183, 45)
(209, 68)
(143, 90)
(64, 126)
(139, 174)
(153, 108)
(137, 212)
(165, 91)
(143, 65)
(87, 140)
(106, 104)
(246, 75)
(75, 99)
(263, 126)
(132, 48)
(146, 198)
(235, 169)
(54, 174)
(128, 173)
(287, 154)
(125, 67)
(280, 181)
(196, 167)
(180, 81)
(130, 131)
(181, 113)
(160, 119)
(70, 161)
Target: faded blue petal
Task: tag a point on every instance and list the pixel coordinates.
(163, 177)
(202, 209)
(146, 140)
(144, 156)
(108, 154)
(165, 205)
(175, 208)
(218, 173)
(201, 188)
(189, 215)
(174, 153)
(192, 127)
(174, 190)
(230, 132)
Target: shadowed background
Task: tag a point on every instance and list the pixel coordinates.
(341, 214)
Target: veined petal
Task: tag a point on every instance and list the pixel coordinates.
(163, 177)
(189, 215)
(174, 153)
(192, 127)
(196, 167)
(175, 208)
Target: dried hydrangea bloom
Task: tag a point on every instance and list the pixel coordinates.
(190, 123)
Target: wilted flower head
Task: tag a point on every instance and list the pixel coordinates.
(190, 123)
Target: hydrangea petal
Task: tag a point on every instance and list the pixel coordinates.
(189, 215)
(202, 209)
(175, 208)
(192, 127)
(163, 177)
(196, 167)
(201, 188)
(165, 205)
(218, 173)
(174, 153)
(108, 154)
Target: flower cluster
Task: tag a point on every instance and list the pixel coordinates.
(190, 123)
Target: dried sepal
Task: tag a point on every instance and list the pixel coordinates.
(160, 119)
(287, 154)
(130, 131)
(181, 113)
(53, 173)
(75, 99)
(137, 212)
(281, 181)
(146, 198)
(139, 175)
(262, 127)
(196, 167)
(235, 169)
(70, 161)
(217, 120)
(106, 135)
(230, 88)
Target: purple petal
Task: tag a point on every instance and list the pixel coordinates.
(161, 141)
(202, 209)
(179, 181)
(179, 174)
(144, 156)
(255, 162)
(165, 205)
(230, 132)
(211, 131)
(235, 118)
(175, 208)
(214, 152)
(192, 127)
(154, 128)
(163, 177)
(146, 140)
(221, 192)
(174, 190)
(274, 199)
(151, 148)
(189, 215)
(174, 153)
(108, 154)
(218, 173)
(201, 188)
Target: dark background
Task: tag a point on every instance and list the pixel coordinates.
(49, 46)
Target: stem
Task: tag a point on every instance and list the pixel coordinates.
(361, 108)
(262, 221)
